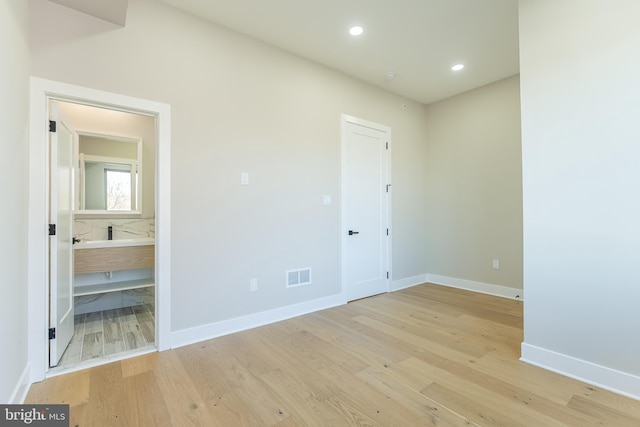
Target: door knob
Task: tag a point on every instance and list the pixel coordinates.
(351, 232)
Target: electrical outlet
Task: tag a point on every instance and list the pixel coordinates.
(495, 264)
(253, 285)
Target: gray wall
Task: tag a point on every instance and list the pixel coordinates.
(474, 185)
(580, 112)
(14, 173)
(239, 105)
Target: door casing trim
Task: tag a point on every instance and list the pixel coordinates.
(41, 91)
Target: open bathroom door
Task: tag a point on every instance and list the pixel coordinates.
(61, 141)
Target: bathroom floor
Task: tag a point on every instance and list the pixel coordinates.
(110, 332)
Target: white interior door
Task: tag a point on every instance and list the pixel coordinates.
(365, 208)
(60, 244)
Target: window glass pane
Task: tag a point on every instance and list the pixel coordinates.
(118, 185)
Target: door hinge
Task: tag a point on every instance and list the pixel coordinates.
(387, 231)
(388, 185)
(387, 145)
(52, 333)
(52, 126)
(52, 229)
(387, 274)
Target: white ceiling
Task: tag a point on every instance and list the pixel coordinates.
(418, 40)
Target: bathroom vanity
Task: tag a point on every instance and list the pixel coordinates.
(113, 260)
(103, 267)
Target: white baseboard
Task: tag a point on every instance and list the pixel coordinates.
(22, 388)
(408, 282)
(225, 327)
(581, 370)
(469, 285)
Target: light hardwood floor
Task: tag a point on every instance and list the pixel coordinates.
(424, 356)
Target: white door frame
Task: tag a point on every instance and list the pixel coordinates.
(38, 276)
(343, 221)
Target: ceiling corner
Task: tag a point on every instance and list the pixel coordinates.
(114, 11)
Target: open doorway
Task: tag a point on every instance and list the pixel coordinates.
(142, 289)
(103, 189)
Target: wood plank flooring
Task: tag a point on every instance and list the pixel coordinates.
(424, 356)
(108, 333)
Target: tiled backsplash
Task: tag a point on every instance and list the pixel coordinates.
(96, 229)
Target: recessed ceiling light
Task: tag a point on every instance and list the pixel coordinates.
(457, 67)
(356, 31)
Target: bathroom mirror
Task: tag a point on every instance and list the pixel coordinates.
(110, 175)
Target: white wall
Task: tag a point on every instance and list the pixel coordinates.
(474, 185)
(239, 105)
(580, 64)
(14, 94)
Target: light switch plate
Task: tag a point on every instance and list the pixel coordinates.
(326, 200)
(244, 178)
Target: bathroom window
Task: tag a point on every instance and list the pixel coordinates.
(118, 190)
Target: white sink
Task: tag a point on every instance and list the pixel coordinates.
(95, 244)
